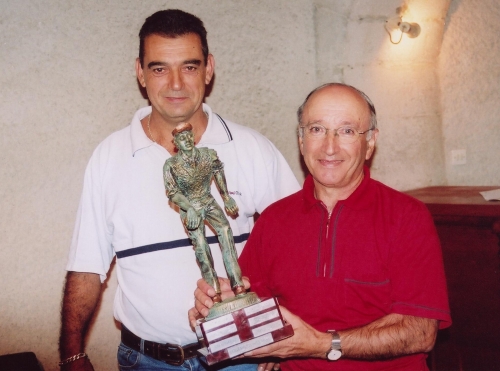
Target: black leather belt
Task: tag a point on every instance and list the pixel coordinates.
(170, 353)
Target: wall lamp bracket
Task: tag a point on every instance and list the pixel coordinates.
(395, 26)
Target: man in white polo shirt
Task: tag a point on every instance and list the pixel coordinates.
(124, 211)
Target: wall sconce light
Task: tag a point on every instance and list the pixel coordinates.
(395, 26)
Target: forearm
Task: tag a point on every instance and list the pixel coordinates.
(81, 295)
(220, 180)
(181, 201)
(391, 336)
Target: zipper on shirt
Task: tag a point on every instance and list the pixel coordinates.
(320, 239)
(334, 238)
(328, 222)
(326, 238)
(322, 264)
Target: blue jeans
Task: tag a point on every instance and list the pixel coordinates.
(129, 359)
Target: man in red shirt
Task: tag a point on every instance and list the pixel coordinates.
(356, 265)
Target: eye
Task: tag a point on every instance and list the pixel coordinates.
(347, 131)
(159, 70)
(191, 68)
(316, 130)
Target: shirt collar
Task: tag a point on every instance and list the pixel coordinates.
(139, 138)
(360, 198)
(216, 132)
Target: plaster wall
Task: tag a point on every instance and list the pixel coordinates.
(353, 47)
(67, 81)
(469, 71)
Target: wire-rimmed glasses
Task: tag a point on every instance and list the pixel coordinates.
(346, 134)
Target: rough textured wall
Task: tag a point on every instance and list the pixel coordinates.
(67, 81)
(353, 47)
(264, 66)
(469, 71)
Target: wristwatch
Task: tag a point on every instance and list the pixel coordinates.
(335, 351)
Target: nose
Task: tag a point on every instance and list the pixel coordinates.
(331, 142)
(176, 81)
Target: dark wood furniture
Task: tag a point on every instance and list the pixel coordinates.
(26, 361)
(469, 229)
(460, 206)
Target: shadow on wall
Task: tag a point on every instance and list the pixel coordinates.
(454, 6)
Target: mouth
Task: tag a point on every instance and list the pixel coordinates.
(174, 99)
(330, 163)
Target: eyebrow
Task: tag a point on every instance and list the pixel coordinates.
(193, 61)
(189, 61)
(320, 122)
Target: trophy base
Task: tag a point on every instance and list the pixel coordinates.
(232, 304)
(242, 329)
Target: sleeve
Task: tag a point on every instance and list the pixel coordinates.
(417, 271)
(91, 250)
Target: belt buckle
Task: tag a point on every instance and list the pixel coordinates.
(170, 350)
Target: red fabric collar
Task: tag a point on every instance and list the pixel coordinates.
(360, 198)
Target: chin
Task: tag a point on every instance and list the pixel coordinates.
(328, 181)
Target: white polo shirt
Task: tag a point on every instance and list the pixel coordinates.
(124, 211)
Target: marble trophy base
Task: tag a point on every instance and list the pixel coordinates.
(239, 325)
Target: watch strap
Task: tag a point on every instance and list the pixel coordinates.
(335, 351)
(335, 339)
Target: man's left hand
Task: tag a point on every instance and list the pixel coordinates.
(306, 341)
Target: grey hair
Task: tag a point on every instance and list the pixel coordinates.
(371, 107)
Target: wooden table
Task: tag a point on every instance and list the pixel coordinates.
(461, 206)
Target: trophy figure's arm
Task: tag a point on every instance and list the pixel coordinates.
(192, 220)
(229, 203)
(220, 180)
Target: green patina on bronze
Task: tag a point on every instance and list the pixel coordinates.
(188, 176)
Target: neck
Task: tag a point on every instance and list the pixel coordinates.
(160, 130)
(188, 153)
(330, 195)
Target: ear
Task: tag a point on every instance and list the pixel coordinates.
(139, 73)
(371, 144)
(209, 69)
(301, 144)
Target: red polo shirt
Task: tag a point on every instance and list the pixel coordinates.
(377, 253)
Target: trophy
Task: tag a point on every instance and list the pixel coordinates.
(241, 323)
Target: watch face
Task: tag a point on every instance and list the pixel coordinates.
(334, 354)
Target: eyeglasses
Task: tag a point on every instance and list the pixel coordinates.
(346, 134)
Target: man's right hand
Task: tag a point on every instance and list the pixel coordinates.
(81, 296)
(203, 297)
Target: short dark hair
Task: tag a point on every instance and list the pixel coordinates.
(172, 23)
(371, 107)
